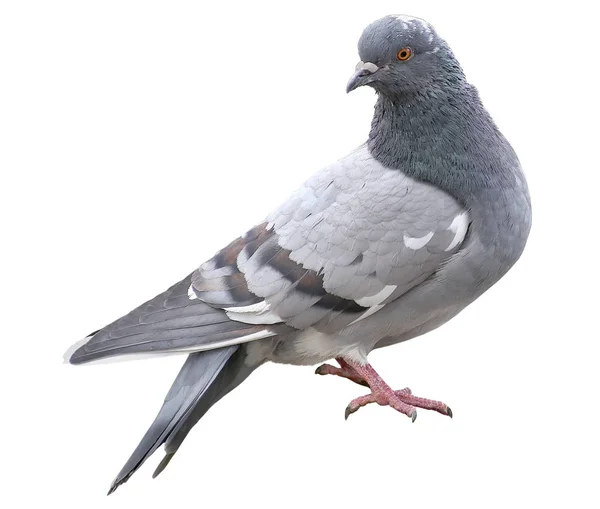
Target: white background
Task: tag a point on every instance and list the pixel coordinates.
(137, 138)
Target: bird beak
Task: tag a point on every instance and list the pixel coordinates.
(362, 75)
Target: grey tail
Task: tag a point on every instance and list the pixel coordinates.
(204, 379)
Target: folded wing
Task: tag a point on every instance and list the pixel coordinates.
(355, 237)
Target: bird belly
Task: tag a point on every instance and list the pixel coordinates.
(310, 346)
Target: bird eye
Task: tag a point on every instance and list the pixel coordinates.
(404, 54)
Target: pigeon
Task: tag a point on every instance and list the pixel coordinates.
(384, 245)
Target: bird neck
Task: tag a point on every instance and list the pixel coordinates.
(443, 136)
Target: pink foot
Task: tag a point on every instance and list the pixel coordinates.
(344, 371)
(395, 403)
(381, 393)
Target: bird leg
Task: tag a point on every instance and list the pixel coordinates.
(344, 371)
(381, 393)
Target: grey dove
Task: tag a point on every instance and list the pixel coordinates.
(384, 245)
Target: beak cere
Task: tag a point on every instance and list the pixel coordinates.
(361, 75)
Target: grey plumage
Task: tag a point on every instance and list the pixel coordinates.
(204, 379)
(382, 246)
(168, 322)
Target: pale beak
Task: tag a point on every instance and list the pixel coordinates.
(362, 75)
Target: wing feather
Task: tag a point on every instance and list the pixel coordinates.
(169, 322)
(355, 237)
(338, 249)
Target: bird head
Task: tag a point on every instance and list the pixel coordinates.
(402, 54)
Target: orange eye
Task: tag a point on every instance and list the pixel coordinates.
(404, 54)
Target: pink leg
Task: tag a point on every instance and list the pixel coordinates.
(344, 371)
(381, 393)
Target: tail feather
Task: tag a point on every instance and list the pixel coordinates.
(204, 379)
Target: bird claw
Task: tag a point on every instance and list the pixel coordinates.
(403, 401)
(348, 412)
(321, 370)
(381, 393)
